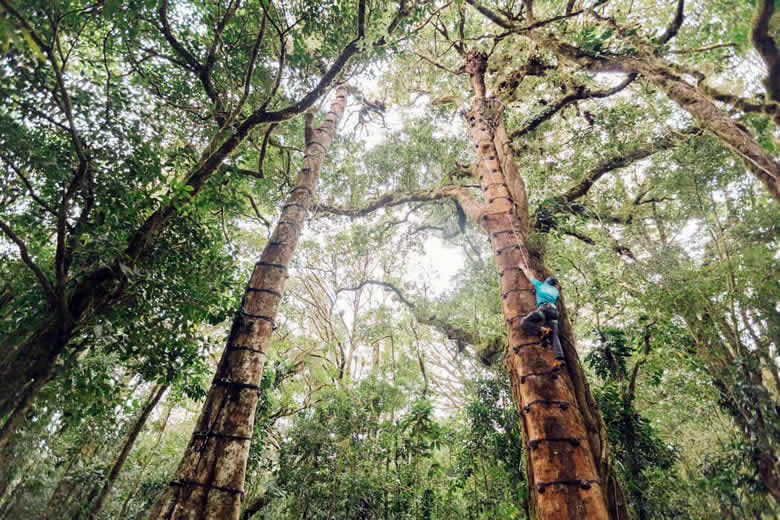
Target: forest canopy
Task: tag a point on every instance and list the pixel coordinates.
(273, 259)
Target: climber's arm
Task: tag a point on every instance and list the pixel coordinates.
(527, 272)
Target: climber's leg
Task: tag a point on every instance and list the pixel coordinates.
(551, 316)
(556, 342)
(532, 323)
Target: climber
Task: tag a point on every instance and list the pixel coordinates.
(544, 320)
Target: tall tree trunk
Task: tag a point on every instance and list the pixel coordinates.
(154, 398)
(742, 395)
(8, 478)
(567, 459)
(210, 478)
(131, 493)
(8, 509)
(36, 368)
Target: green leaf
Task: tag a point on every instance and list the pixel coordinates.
(33, 46)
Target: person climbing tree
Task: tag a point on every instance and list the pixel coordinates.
(544, 320)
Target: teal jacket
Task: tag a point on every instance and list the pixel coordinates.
(545, 293)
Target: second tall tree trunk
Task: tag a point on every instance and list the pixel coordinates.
(154, 397)
(210, 478)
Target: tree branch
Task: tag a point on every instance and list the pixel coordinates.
(280, 64)
(706, 48)
(579, 94)
(254, 507)
(250, 70)
(450, 331)
(259, 215)
(188, 58)
(29, 186)
(45, 284)
(491, 15)
(628, 396)
(451, 191)
(619, 248)
(674, 26)
(264, 149)
(665, 142)
(766, 46)
(771, 109)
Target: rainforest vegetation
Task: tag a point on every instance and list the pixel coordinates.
(269, 258)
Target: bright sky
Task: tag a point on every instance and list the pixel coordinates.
(441, 260)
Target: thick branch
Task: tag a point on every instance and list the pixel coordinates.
(183, 53)
(308, 100)
(690, 98)
(491, 15)
(553, 108)
(451, 191)
(766, 46)
(771, 109)
(675, 25)
(155, 223)
(450, 331)
(665, 142)
(47, 288)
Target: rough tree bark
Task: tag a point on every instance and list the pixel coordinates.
(154, 397)
(567, 457)
(210, 477)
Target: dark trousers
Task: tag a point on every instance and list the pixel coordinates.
(545, 315)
